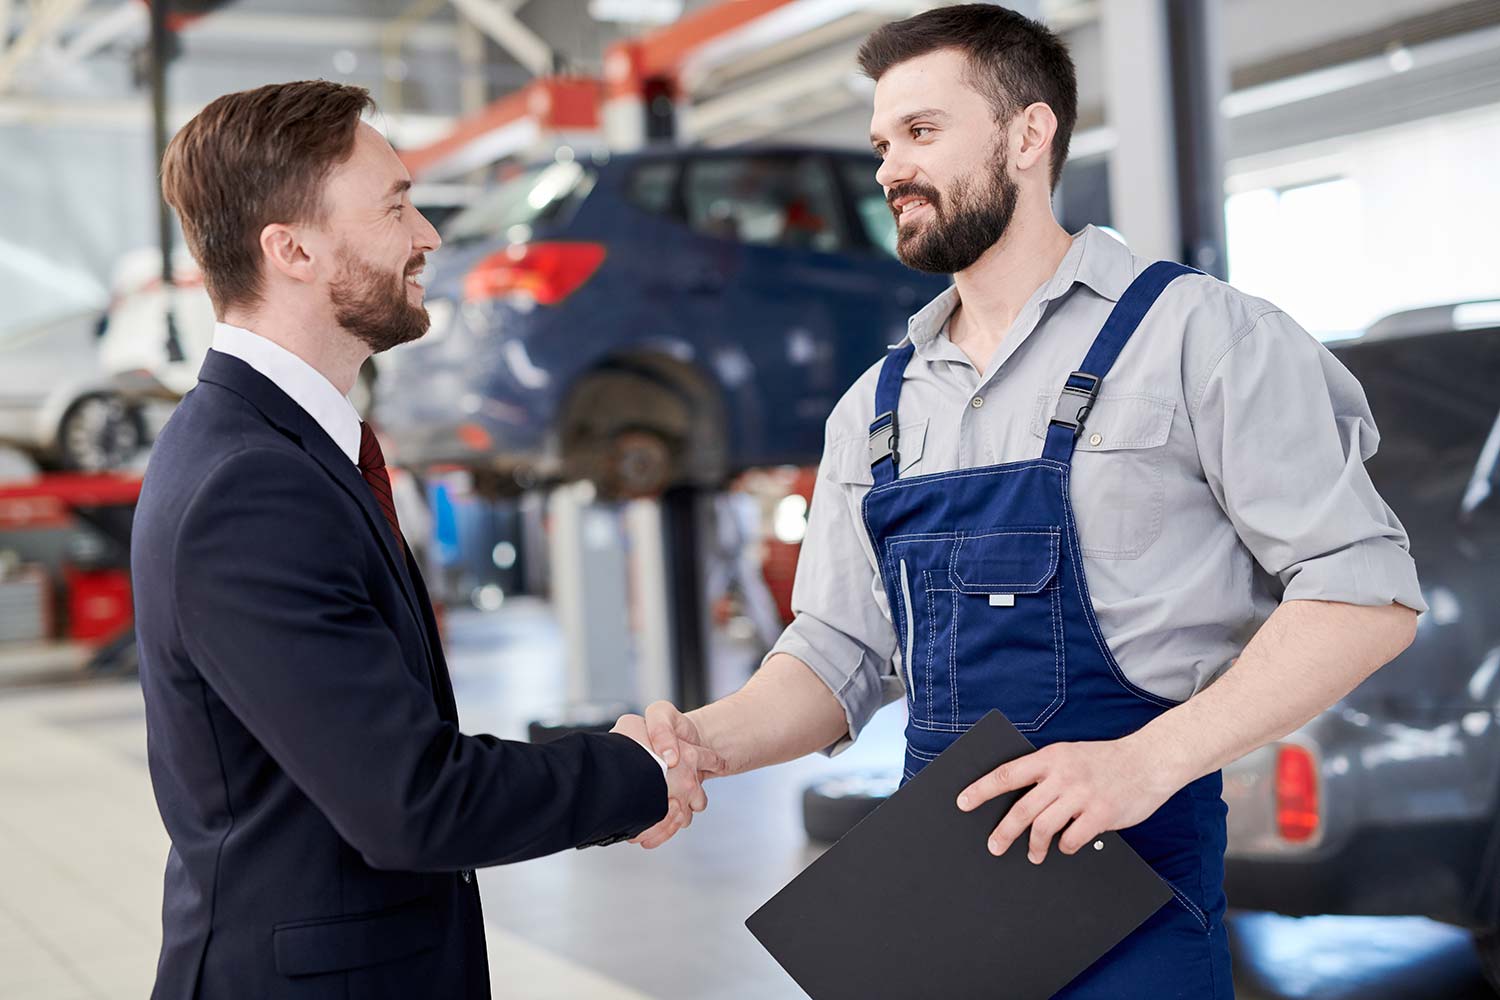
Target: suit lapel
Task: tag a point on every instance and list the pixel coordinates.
(279, 408)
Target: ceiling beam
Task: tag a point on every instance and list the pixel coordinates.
(498, 20)
(43, 26)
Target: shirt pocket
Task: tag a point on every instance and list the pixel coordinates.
(849, 460)
(1118, 476)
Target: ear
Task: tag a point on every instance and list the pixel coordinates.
(1031, 137)
(285, 251)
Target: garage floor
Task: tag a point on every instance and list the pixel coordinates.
(81, 851)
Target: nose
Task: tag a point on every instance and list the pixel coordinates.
(426, 239)
(893, 170)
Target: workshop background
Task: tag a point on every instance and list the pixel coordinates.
(605, 447)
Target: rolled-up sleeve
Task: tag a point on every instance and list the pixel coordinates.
(1283, 432)
(842, 629)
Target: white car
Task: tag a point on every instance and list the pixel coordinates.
(58, 403)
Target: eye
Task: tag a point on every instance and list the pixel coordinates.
(880, 151)
(919, 128)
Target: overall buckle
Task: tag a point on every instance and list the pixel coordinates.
(883, 439)
(1074, 403)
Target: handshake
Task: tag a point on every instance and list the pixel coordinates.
(675, 738)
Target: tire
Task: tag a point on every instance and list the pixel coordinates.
(99, 432)
(1487, 944)
(832, 807)
(583, 718)
(638, 463)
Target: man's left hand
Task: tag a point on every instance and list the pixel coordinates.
(1080, 790)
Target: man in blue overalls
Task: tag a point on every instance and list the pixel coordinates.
(1118, 500)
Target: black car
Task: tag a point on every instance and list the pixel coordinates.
(1389, 803)
(665, 317)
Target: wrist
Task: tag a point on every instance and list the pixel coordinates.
(714, 733)
(1169, 764)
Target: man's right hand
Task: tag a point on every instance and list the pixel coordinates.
(678, 741)
(687, 767)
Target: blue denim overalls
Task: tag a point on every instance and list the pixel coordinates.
(986, 588)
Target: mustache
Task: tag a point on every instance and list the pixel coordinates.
(913, 190)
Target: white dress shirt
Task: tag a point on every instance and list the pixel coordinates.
(307, 386)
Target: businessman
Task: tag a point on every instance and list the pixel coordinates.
(1116, 499)
(324, 809)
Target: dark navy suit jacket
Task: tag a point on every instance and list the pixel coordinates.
(323, 807)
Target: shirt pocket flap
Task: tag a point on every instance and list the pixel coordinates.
(1116, 423)
(849, 459)
(332, 944)
(1023, 561)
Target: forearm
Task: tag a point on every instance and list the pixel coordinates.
(783, 712)
(1306, 656)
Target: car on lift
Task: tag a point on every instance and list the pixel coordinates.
(1389, 803)
(667, 317)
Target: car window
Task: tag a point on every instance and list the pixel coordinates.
(870, 204)
(652, 186)
(538, 194)
(765, 201)
(1435, 399)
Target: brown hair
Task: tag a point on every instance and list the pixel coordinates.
(1013, 61)
(251, 159)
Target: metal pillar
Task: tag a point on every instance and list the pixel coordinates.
(1199, 81)
(161, 55)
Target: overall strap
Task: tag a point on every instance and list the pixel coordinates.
(1082, 387)
(884, 459)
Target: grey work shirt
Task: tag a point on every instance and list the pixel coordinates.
(1220, 473)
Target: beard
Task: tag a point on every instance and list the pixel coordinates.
(372, 305)
(966, 222)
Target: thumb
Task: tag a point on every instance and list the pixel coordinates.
(661, 729)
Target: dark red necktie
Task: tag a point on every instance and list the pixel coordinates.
(372, 467)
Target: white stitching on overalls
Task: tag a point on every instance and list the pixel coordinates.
(1088, 610)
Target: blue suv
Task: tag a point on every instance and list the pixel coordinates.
(662, 318)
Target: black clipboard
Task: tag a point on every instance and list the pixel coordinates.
(910, 903)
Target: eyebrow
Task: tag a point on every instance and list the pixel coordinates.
(912, 116)
(399, 187)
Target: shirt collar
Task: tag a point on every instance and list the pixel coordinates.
(1095, 259)
(304, 384)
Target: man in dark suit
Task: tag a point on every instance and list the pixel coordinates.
(325, 811)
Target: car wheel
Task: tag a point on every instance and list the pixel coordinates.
(638, 463)
(1487, 944)
(831, 807)
(99, 432)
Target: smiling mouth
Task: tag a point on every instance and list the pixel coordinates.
(904, 206)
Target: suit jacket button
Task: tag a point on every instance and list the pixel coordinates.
(466, 875)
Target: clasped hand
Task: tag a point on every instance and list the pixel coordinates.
(689, 763)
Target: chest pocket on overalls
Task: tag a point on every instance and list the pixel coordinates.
(981, 619)
(1119, 487)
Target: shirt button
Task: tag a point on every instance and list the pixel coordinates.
(977, 402)
(1096, 440)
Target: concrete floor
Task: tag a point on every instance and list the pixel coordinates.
(81, 852)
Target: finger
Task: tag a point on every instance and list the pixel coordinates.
(1026, 809)
(662, 831)
(1084, 831)
(699, 801)
(701, 759)
(1017, 774)
(1046, 826)
(661, 719)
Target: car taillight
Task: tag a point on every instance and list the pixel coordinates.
(547, 272)
(1296, 794)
